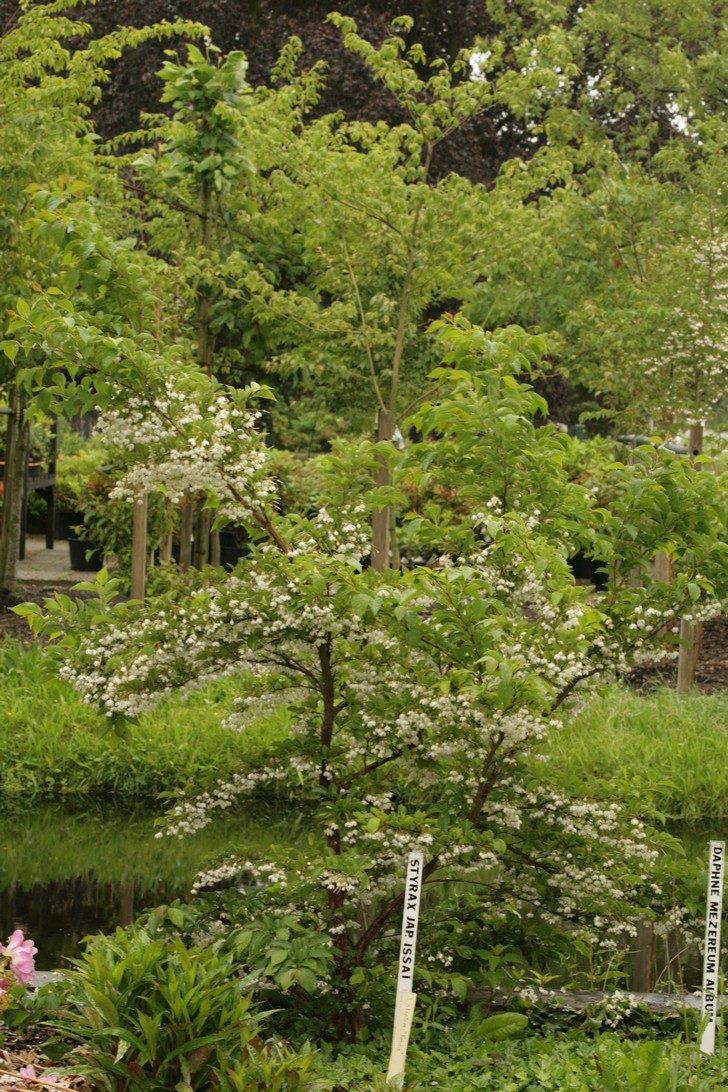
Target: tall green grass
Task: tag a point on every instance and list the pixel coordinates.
(54, 747)
(660, 748)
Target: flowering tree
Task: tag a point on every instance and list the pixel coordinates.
(416, 702)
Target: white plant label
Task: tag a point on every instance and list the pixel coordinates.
(406, 969)
(714, 910)
(400, 1038)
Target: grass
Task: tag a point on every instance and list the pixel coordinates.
(54, 747)
(663, 748)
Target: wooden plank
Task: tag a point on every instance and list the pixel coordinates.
(578, 1000)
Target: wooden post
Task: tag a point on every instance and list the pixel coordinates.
(662, 567)
(185, 535)
(167, 549)
(215, 549)
(690, 632)
(139, 548)
(126, 903)
(643, 962)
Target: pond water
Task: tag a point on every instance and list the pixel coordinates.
(64, 875)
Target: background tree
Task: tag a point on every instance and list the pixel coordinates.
(55, 191)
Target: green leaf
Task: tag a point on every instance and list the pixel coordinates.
(504, 1025)
(359, 604)
(306, 979)
(10, 348)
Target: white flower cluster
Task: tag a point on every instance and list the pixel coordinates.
(344, 536)
(183, 444)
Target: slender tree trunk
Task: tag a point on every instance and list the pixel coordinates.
(381, 516)
(14, 485)
(203, 522)
(394, 555)
(202, 518)
(204, 340)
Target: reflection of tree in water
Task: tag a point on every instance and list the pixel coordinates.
(59, 914)
(66, 875)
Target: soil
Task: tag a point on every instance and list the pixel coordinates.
(16, 628)
(712, 668)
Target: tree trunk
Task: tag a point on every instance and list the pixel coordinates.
(204, 337)
(381, 516)
(203, 523)
(16, 454)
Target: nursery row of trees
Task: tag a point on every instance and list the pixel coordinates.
(271, 242)
(244, 237)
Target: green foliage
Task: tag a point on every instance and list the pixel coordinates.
(504, 1025)
(151, 1013)
(416, 702)
(574, 1062)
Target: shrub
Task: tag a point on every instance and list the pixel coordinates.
(150, 1014)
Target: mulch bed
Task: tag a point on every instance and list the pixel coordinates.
(23, 1050)
(10, 624)
(712, 670)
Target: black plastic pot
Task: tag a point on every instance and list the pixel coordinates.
(65, 521)
(77, 548)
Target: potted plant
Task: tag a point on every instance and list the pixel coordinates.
(72, 475)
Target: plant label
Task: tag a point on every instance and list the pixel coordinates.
(714, 907)
(400, 1038)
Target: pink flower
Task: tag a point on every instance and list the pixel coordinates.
(21, 952)
(28, 1071)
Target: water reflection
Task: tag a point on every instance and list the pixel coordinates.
(65, 875)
